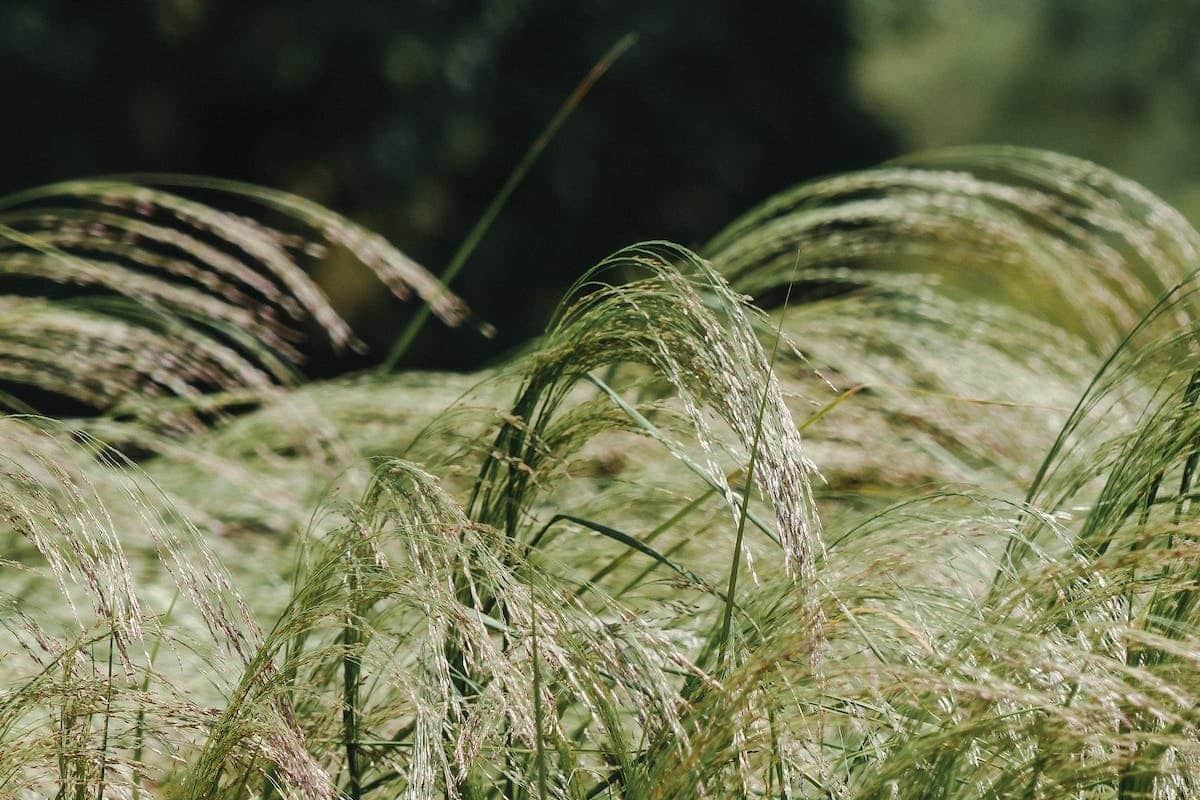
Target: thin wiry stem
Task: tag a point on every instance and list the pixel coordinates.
(476, 234)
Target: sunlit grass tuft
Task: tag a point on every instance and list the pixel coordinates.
(887, 491)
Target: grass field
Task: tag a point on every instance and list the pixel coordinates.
(885, 492)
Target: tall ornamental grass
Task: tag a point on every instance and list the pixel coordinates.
(887, 491)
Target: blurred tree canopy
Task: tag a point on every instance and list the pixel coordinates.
(408, 116)
(1112, 81)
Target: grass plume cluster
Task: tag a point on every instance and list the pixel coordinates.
(887, 491)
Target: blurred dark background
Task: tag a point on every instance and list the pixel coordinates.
(408, 116)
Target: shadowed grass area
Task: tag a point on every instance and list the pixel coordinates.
(887, 491)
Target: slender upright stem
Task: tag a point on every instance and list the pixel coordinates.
(406, 338)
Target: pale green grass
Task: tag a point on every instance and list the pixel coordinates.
(926, 530)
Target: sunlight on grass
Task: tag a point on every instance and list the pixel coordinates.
(887, 491)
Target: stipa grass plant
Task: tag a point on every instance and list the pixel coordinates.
(888, 491)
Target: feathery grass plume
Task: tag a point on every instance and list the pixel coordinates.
(907, 317)
(170, 295)
(903, 247)
(412, 717)
(1123, 468)
(1132, 429)
(66, 509)
(1062, 237)
(600, 675)
(932, 686)
(907, 309)
(683, 322)
(273, 457)
(473, 596)
(893, 398)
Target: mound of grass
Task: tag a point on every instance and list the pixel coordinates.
(887, 491)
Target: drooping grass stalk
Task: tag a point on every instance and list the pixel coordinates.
(690, 507)
(929, 675)
(722, 636)
(476, 234)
